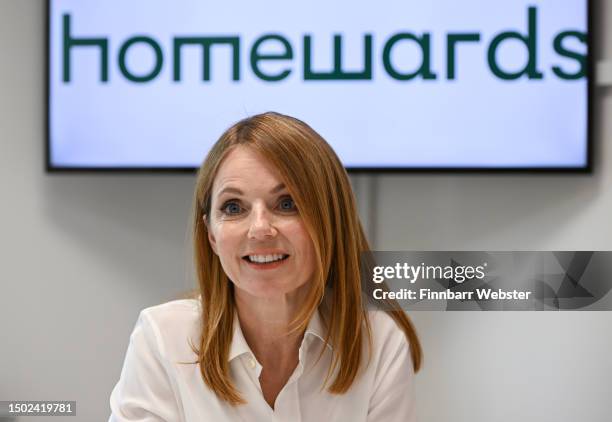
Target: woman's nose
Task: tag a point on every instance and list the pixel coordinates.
(262, 226)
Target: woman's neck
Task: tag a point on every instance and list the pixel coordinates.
(265, 325)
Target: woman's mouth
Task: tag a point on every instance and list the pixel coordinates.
(265, 262)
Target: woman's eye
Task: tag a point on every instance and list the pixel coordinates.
(287, 204)
(231, 208)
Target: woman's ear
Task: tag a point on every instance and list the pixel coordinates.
(211, 237)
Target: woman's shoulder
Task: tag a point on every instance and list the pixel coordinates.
(383, 323)
(172, 313)
(387, 335)
(390, 371)
(172, 325)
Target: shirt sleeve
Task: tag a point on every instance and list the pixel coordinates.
(393, 398)
(144, 392)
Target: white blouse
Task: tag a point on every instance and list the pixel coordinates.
(155, 385)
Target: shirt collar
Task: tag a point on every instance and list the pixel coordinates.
(316, 328)
(239, 346)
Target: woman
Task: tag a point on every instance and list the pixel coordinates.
(279, 330)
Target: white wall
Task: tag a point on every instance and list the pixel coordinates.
(82, 254)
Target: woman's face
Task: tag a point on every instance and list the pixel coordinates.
(255, 228)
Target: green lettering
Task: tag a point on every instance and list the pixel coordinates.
(425, 68)
(256, 57)
(159, 59)
(206, 43)
(451, 40)
(530, 69)
(70, 42)
(338, 73)
(564, 52)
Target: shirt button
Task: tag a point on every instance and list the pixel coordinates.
(252, 363)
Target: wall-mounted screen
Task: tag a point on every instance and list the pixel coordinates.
(438, 84)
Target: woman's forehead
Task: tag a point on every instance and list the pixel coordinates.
(244, 168)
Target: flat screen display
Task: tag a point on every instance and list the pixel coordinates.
(391, 85)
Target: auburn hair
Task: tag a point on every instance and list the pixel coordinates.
(320, 187)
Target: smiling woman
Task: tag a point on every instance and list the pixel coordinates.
(279, 330)
(254, 227)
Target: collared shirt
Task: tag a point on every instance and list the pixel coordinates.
(158, 383)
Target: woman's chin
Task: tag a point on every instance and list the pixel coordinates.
(264, 289)
(260, 289)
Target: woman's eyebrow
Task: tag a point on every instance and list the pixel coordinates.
(278, 188)
(236, 191)
(230, 189)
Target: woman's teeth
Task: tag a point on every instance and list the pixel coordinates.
(262, 259)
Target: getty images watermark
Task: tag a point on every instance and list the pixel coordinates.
(474, 281)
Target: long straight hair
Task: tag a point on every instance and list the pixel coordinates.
(320, 187)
